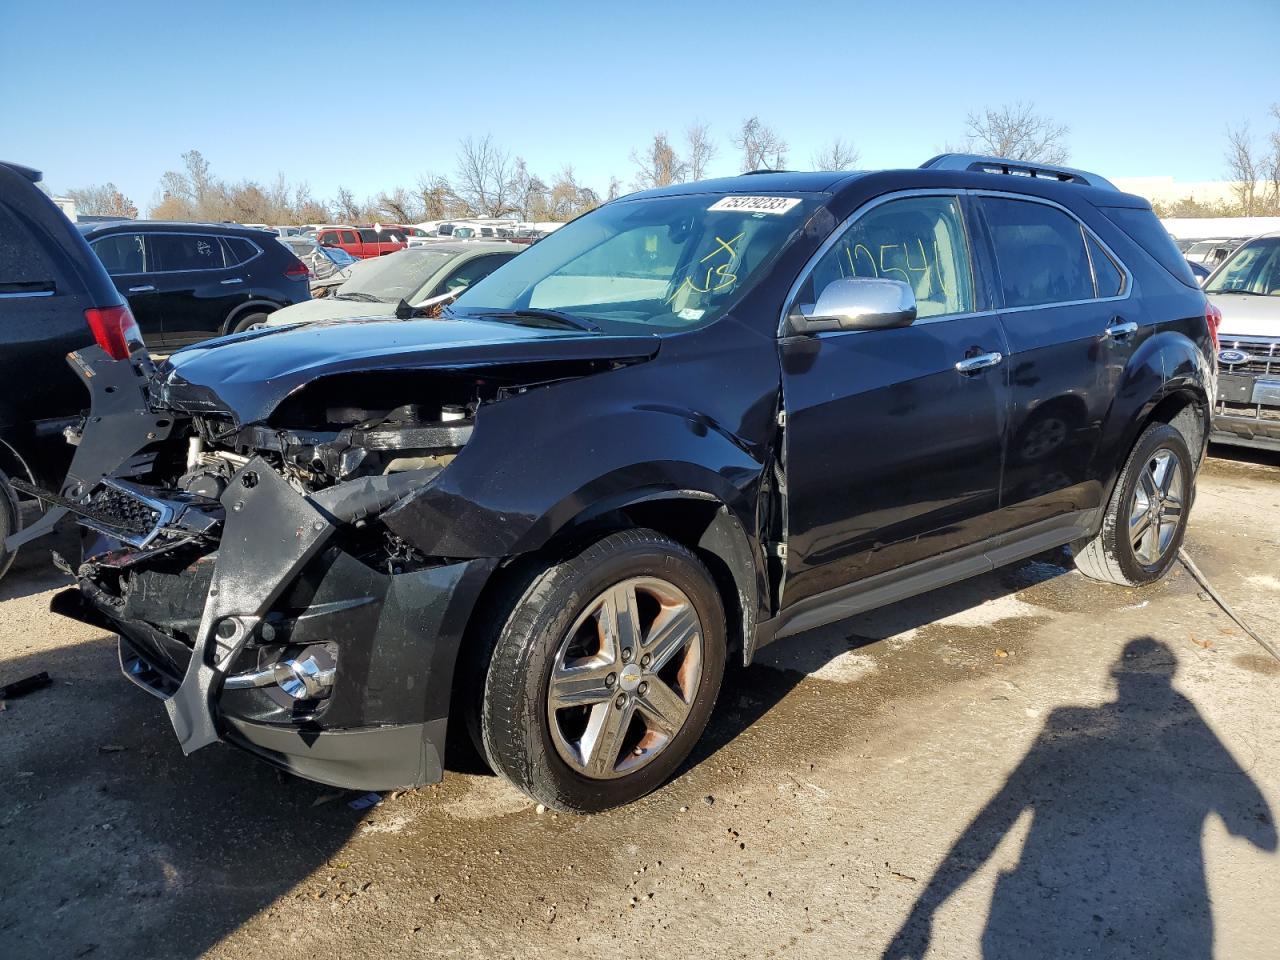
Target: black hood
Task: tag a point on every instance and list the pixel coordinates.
(247, 376)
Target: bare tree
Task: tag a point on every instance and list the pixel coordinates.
(568, 198)
(528, 192)
(701, 149)
(1256, 173)
(346, 209)
(762, 148)
(484, 177)
(103, 201)
(437, 198)
(1017, 132)
(398, 205)
(835, 155)
(658, 164)
(615, 189)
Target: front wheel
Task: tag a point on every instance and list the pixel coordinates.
(605, 673)
(1146, 518)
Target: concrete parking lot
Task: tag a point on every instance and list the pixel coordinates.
(1029, 764)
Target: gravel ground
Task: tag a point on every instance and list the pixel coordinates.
(1025, 765)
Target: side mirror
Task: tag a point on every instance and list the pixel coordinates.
(862, 303)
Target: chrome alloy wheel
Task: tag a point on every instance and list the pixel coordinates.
(625, 677)
(1156, 510)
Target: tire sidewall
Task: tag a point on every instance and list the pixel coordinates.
(1155, 438)
(244, 322)
(562, 594)
(10, 520)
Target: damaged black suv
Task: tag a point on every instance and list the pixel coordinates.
(695, 421)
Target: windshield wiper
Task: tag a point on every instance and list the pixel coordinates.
(554, 316)
(1243, 293)
(361, 297)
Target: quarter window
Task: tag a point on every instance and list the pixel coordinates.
(122, 253)
(1040, 253)
(240, 250)
(1107, 276)
(918, 240)
(185, 251)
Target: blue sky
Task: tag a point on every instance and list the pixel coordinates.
(373, 94)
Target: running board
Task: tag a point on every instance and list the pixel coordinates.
(892, 586)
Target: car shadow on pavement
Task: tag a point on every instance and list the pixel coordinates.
(1112, 865)
(749, 694)
(112, 844)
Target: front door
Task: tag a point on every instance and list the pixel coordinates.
(1071, 331)
(892, 450)
(127, 258)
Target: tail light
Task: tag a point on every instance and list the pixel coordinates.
(1213, 317)
(115, 330)
(297, 270)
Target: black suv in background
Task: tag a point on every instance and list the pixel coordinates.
(694, 421)
(187, 282)
(55, 297)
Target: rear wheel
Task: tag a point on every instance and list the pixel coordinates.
(10, 521)
(604, 674)
(1147, 516)
(249, 321)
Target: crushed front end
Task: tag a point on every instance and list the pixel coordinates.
(258, 594)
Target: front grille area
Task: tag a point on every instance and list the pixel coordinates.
(124, 511)
(1264, 355)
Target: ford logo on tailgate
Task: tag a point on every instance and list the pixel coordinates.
(1231, 358)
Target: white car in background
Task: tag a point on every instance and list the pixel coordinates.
(1246, 288)
(415, 275)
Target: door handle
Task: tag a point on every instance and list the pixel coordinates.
(146, 288)
(1118, 331)
(980, 362)
(233, 280)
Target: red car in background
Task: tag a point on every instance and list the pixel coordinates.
(362, 242)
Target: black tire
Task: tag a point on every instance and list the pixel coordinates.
(10, 522)
(1110, 556)
(249, 320)
(515, 729)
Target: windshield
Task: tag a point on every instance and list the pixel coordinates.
(395, 277)
(1253, 269)
(667, 263)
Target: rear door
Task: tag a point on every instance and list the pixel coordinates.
(127, 257)
(197, 289)
(1071, 328)
(892, 450)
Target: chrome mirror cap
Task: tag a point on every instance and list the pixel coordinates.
(862, 303)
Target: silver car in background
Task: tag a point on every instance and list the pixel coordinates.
(1246, 288)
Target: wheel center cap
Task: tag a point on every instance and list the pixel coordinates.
(629, 677)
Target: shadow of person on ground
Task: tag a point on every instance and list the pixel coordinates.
(1112, 865)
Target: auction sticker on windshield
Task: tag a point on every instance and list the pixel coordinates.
(755, 204)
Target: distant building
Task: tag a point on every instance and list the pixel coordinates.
(1168, 190)
(67, 206)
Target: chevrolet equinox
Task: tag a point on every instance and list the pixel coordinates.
(698, 420)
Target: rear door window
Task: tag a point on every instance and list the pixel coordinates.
(348, 236)
(185, 251)
(1040, 253)
(370, 236)
(122, 253)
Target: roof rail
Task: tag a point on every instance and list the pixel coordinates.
(1017, 168)
(752, 173)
